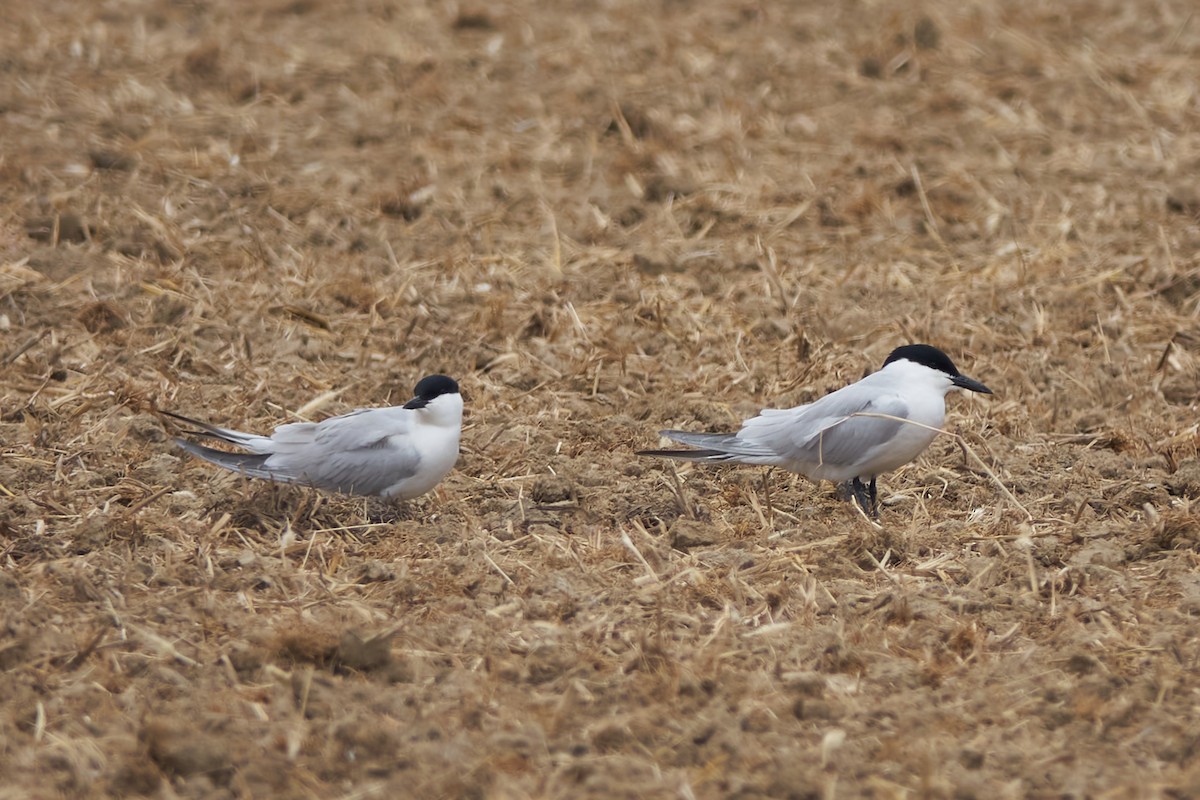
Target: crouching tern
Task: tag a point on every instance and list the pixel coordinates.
(402, 451)
(851, 436)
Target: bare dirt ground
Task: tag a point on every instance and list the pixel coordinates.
(604, 219)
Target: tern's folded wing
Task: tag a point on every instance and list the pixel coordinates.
(829, 433)
(367, 470)
(856, 436)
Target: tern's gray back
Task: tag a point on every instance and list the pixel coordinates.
(363, 427)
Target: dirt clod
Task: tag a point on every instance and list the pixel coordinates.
(179, 749)
(65, 227)
(1185, 481)
(688, 533)
(365, 654)
(552, 489)
(376, 571)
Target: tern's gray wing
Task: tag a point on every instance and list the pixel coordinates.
(853, 437)
(362, 471)
(363, 452)
(838, 430)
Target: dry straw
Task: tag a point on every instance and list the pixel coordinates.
(603, 218)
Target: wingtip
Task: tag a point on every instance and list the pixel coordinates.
(201, 427)
(666, 434)
(687, 455)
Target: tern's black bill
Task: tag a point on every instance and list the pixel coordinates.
(970, 384)
(417, 402)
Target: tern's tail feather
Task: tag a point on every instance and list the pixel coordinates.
(688, 455)
(246, 463)
(250, 441)
(714, 447)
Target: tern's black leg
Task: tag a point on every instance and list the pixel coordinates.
(874, 499)
(863, 495)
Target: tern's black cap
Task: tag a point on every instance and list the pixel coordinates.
(926, 355)
(430, 387)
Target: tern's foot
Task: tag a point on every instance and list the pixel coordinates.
(865, 495)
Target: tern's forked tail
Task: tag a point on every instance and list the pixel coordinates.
(246, 463)
(688, 455)
(712, 447)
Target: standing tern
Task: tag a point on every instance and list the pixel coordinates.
(402, 451)
(850, 436)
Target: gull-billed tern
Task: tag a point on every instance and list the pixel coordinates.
(852, 435)
(402, 451)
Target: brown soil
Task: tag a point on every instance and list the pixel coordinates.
(605, 219)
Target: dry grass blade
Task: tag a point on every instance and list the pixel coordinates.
(24, 347)
(320, 401)
(162, 646)
(637, 554)
(307, 316)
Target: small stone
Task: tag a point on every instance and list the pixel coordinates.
(611, 737)
(10, 589)
(146, 428)
(1185, 481)
(1082, 663)
(112, 160)
(552, 489)
(246, 658)
(870, 67)
(688, 533)
(757, 720)
(1098, 552)
(158, 470)
(809, 709)
(362, 654)
(67, 227)
(179, 749)
(375, 571)
(101, 317)
(971, 758)
(926, 34)
(806, 684)
(1184, 198)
